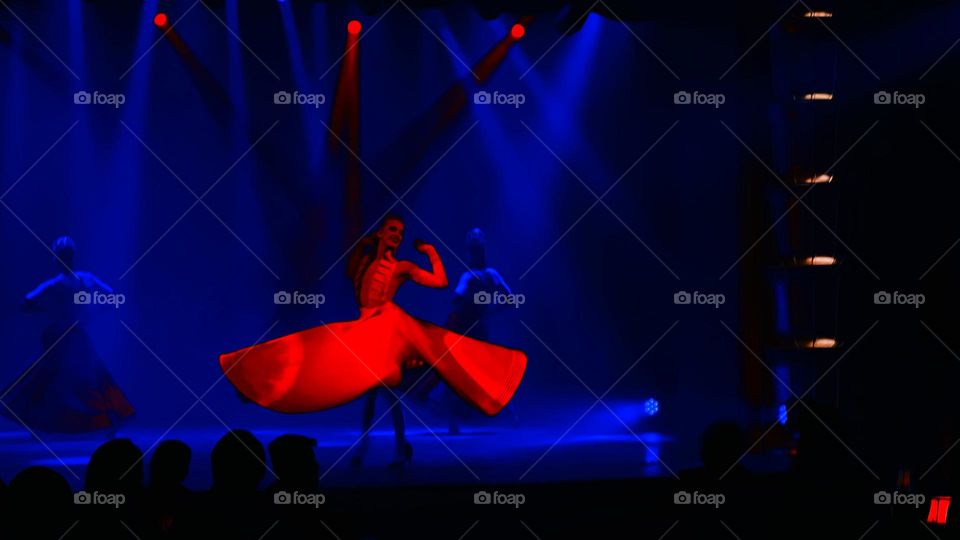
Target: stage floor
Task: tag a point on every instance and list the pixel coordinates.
(540, 446)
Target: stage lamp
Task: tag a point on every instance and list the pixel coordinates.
(818, 96)
(354, 27)
(818, 343)
(818, 260)
(818, 15)
(818, 179)
(782, 415)
(160, 20)
(517, 31)
(651, 407)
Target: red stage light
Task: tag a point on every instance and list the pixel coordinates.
(160, 20)
(354, 27)
(517, 31)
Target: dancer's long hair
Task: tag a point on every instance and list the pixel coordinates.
(363, 256)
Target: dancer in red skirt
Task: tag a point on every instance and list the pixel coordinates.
(332, 364)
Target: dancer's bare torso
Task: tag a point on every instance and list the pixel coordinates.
(384, 276)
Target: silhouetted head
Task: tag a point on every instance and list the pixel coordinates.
(43, 490)
(238, 463)
(391, 232)
(721, 445)
(40, 487)
(294, 461)
(477, 248)
(116, 467)
(170, 463)
(64, 250)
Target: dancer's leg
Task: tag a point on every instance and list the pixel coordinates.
(366, 425)
(399, 430)
(403, 448)
(426, 387)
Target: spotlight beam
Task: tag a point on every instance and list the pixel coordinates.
(345, 125)
(409, 149)
(212, 92)
(40, 61)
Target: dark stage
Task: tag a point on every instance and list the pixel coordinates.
(456, 269)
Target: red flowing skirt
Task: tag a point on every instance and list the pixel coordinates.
(69, 390)
(332, 364)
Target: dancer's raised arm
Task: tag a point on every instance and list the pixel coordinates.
(34, 299)
(436, 278)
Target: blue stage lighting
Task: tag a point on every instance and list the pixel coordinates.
(651, 407)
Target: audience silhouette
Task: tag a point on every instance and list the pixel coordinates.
(295, 464)
(166, 497)
(110, 504)
(39, 488)
(234, 507)
(250, 499)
